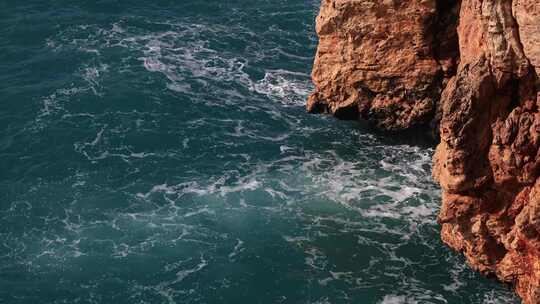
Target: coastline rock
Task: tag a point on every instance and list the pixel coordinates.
(472, 67)
(368, 66)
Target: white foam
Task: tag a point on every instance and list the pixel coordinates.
(315, 259)
(289, 88)
(395, 299)
(182, 274)
(238, 248)
(497, 297)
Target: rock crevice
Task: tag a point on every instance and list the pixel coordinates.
(470, 70)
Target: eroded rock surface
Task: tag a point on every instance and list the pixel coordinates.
(382, 61)
(398, 64)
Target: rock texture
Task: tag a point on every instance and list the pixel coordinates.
(383, 61)
(471, 68)
(488, 160)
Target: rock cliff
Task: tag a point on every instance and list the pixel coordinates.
(469, 69)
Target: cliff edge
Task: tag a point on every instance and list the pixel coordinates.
(468, 69)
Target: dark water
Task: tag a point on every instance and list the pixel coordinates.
(159, 152)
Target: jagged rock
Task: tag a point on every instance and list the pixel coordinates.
(526, 13)
(380, 61)
(398, 64)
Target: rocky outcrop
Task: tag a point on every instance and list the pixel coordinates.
(488, 160)
(383, 61)
(398, 64)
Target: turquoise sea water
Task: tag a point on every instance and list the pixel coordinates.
(159, 152)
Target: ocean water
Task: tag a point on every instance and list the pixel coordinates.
(158, 151)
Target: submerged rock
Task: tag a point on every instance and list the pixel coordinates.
(468, 69)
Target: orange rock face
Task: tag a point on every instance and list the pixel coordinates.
(380, 61)
(398, 64)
